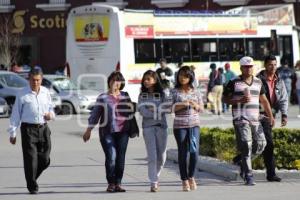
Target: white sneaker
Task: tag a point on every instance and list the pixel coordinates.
(298, 116)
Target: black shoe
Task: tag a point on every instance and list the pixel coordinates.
(274, 179)
(33, 191)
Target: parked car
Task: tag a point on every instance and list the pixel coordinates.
(3, 108)
(75, 99)
(11, 83)
(56, 101)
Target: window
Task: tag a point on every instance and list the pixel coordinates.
(204, 50)
(145, 51)
(231, 49)
(64, 84)
(286, 48)
(12, 80)
(176, 50)
(149, 51)
(258, 48)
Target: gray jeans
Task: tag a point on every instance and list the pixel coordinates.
(155, 139)
(251, 142)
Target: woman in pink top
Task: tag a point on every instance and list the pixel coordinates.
(113, 129)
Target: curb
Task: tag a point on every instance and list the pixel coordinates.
(228, 171)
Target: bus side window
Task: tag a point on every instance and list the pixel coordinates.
(258, 47)
(144, 50)
(176, 50)
(204, 50)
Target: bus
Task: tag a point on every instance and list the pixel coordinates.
(93, 48)
(102, 38)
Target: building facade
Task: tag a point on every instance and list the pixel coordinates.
(42, 23)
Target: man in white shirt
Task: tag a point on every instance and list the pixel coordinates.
(32, 109)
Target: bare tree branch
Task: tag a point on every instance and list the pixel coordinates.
(9, 42)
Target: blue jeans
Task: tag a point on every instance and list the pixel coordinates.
(182, 136)
(288, 86)
(298, 95)
(114, 146)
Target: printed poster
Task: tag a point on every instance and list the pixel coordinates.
(91, 28)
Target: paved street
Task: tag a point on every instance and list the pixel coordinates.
(77, 170)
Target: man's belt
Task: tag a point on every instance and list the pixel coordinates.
(34, 125)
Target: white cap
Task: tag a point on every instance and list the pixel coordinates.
(246, 60)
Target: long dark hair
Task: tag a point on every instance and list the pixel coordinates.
(157, 87)
(188, 72)
(116, 76)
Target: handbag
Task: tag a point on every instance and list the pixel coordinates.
(133, 128)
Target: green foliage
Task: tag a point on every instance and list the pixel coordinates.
(221, 144)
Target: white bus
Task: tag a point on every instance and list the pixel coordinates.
(135, 40)
(93, 44)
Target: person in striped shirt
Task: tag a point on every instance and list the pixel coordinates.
(245, 93)
(187, 103)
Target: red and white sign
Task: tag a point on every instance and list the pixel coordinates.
(139, 31)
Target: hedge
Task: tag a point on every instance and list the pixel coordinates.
(221, 144)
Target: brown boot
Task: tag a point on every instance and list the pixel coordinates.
(118, 188)
(111, 188)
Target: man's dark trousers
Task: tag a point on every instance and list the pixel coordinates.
(268, 152)
(36, 146)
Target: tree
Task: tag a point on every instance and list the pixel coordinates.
(9, 41)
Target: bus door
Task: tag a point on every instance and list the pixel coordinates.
(286, 49)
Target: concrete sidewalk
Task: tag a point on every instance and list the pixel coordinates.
(77, 172)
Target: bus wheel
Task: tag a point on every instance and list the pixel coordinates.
(67, 108)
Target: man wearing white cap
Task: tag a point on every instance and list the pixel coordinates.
(244, 93)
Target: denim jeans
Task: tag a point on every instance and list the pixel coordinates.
(288, 86)
(298, 95)
(182, 136)
(156, 145)
(114, 146)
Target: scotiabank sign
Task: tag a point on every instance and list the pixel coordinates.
(22, 20)
(139, 31)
